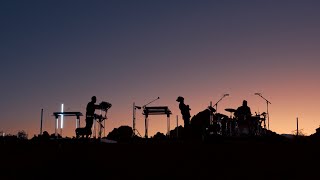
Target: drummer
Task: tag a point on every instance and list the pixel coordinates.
(243, 112)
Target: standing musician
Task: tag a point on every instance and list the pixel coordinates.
(91, 107)
(185, 111)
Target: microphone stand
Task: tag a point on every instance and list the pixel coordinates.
(216, 104)
(268, 102)
(219, 120)
(146, 117)
(150, 102)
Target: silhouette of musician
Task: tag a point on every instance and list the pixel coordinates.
(244, 117)
(243, 113)
(185, 111)
(91, 107)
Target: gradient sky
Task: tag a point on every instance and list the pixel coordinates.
(55, 52)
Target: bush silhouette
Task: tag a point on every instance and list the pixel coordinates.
(121, 134)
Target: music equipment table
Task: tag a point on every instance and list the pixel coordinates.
(156, 110)
(57, 114)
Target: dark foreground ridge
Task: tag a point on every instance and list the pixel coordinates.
(268, 157)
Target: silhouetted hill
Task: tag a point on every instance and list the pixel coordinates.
(245, 157)
(272, 156)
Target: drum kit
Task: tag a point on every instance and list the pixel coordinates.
(230, 126)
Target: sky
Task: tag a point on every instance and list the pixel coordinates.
(125, 52)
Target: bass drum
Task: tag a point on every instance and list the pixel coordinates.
(249, 126)
(243, 128)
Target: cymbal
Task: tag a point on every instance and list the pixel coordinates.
(221, 115)
(230, 110)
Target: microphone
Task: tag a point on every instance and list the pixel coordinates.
(257, 93)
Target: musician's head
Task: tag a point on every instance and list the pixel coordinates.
(244, 103)
(180, 99)
(94, 99)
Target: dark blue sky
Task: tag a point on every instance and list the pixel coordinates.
(55, 52)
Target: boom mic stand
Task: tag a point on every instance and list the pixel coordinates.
(268, 102)
(146, 119)
(216, 104)
(219, 120)
(150, 102)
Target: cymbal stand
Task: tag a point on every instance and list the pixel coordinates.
(263, 131)
(264, 121)
(268, 102)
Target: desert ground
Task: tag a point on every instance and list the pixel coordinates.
(244, 158)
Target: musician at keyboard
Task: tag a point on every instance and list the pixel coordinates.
(91, 107)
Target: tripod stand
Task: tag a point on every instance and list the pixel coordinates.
(134, 120)
(101, 127)
(103, 106)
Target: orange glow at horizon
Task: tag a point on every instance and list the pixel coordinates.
(124, 53)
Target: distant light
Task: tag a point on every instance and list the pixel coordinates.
(61, 116)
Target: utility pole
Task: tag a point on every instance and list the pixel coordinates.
(297, 127)
(41, 122)
(211, 117)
